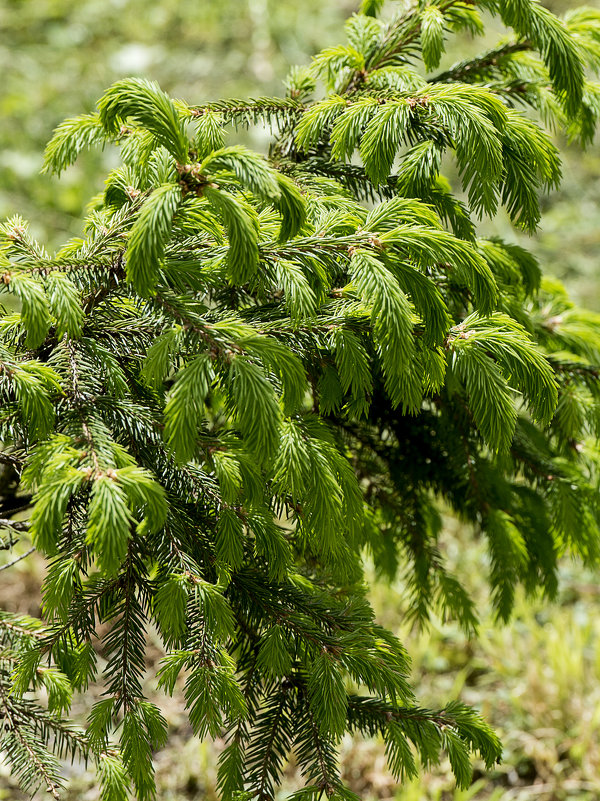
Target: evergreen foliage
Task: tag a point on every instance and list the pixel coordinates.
(252, 372)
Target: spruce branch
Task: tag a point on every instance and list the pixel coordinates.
(32, 757)
(474, 69)
(243, 377)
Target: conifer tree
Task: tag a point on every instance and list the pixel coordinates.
(250, 372)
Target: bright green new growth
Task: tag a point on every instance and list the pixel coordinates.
(252, 372)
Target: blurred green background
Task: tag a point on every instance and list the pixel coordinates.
(538, 679)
